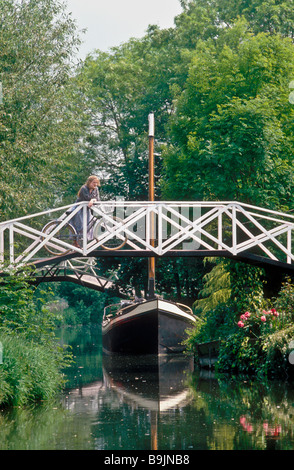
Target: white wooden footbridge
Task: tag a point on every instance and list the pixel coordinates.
(60, 251)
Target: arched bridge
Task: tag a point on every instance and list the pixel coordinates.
(147, 229)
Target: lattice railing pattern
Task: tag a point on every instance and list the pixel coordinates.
(159, 228)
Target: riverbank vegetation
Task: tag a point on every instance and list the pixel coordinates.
(31, 361)
(255, 333)
(220, 84)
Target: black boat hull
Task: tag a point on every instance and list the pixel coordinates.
(152, 327)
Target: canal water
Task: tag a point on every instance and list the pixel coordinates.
(140, 403)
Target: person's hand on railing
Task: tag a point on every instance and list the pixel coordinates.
(92, 202)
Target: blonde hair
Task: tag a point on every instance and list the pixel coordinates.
(89, 181)
(92, 178)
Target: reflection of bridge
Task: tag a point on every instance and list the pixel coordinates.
(152, 229)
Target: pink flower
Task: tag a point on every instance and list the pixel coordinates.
(278, 429)
(274, 312)
(247, 314)
(243, 420)
(240, 324)
(265, 312)
(265, 426)
(263, 318)
(243, 317)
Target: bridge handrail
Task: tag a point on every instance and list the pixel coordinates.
(48, 211)
(155, 227)
(123, 203)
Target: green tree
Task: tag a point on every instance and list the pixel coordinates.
(232, 136)
(20, 312)
(41, 112)
(122, 87)
(270, 16)
(207, 18)
(216, 289)
(85, 305)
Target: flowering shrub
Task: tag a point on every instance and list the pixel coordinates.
(260, 346)
(256, 324)
(261, 343)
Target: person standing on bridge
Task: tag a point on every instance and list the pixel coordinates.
(88, 192)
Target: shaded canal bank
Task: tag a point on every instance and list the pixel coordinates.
(130, 404)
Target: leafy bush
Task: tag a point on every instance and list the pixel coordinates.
(239, 353)
(18, 308)
(285, 301)
(276, 350)
(257, 341)
(261, 345)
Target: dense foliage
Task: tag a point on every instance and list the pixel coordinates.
(83, 305)
(264, 340)
(255, 333)
(232, 135)
(41, 112)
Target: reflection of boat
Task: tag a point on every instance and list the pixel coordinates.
(150, 382)
(154, 383)
(152, 326)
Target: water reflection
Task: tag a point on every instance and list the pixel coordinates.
(141, 403)
(155, 384)
(249, 413)
(126, 404)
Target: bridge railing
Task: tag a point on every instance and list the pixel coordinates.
(156, 227)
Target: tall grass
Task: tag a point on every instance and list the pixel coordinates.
(29, 371)
(32, 362)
